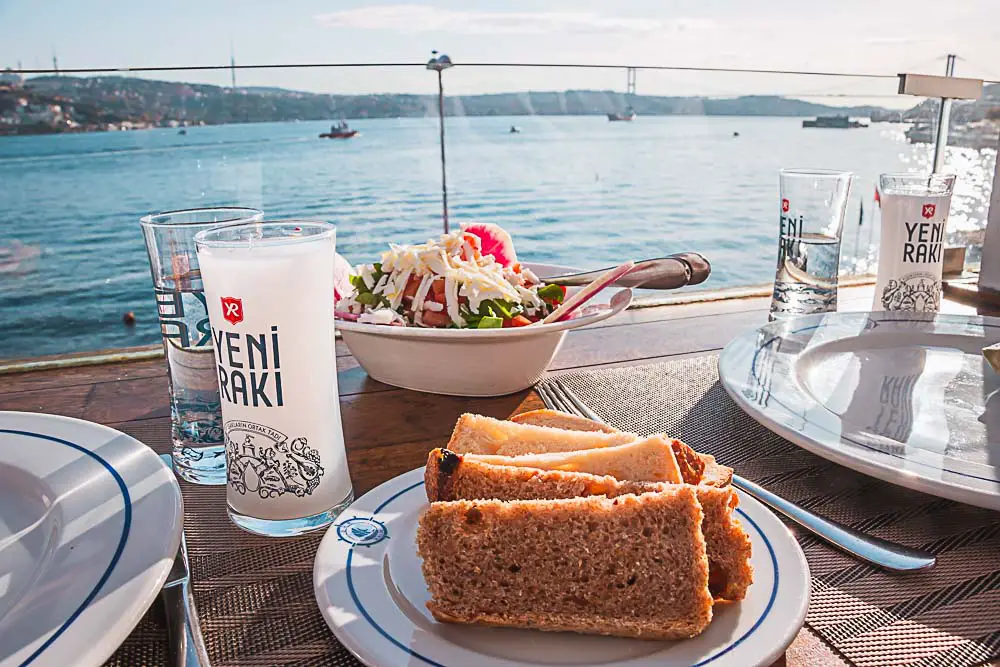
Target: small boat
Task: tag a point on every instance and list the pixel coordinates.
(629, 114)
(833, 122)
(182, 131)
(339, 131)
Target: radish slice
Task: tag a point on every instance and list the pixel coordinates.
(587, 293)
(342, 271)
(495, 241)
(344, 315)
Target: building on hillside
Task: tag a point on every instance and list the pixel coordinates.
(10, 80)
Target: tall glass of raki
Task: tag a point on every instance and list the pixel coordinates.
(911, 251)
(269, 290)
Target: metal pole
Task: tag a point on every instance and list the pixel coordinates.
(944, 119)
(444, 176)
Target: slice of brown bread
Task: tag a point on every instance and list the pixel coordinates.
(476, 434)
(556, 419)
(696, 468)
(632, 566)
(648, 460)
(451, 476)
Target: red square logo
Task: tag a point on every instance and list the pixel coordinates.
(232, 309)
(784, 206)
(928, 211)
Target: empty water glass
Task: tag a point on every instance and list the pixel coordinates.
(199, 451)
(813, 204)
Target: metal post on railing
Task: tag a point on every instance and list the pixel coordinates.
(947, 88)
(439, 64)
(944, 120)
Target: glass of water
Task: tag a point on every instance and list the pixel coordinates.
(196, 420)
(812, 207)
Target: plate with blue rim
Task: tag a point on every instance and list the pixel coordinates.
(907, 398)
(90, 521)
(369, 586)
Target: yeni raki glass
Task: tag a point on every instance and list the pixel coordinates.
(270, 293)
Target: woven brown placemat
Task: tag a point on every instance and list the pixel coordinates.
(947, 616)
(254, 594)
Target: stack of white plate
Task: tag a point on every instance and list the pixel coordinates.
(90, 521)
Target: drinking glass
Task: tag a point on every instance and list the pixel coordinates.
(269, 288)
(813, 204)
(196, 420)
(911, 251)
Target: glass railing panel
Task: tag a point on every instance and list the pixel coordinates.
(696, 170)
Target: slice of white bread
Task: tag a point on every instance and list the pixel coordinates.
(695, 468)
(556, 419)
(632, 566)
(476, 434)
(451, 476)
(648, 460)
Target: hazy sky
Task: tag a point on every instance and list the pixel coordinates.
(880, 36)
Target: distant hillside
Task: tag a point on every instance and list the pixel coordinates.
(143, 102)
(961, 112)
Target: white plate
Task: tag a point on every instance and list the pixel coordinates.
(371, 591)
(90, 520)
(907, 398)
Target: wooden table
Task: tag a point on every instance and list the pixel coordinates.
(389, 431)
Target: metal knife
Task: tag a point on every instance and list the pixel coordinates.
(186, 647)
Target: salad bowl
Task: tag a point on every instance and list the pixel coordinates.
(467, 362)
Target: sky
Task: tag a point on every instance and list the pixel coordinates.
(881, 36)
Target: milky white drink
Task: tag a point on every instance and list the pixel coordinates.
(270, 302)
(911, 252)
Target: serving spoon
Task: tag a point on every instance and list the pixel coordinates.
(677, 270)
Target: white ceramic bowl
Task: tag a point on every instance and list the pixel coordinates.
(465, 362)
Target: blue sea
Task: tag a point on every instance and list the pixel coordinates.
(577, 191)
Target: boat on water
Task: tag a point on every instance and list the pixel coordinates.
(339, 131)
(627, 115)
(833, 122)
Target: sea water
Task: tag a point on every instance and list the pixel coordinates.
(572, 190)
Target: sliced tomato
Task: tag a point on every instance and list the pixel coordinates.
(437, 291)
(412, 285)
(519, 321)
(434, 319)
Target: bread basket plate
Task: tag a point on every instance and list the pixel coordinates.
(371, 591)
